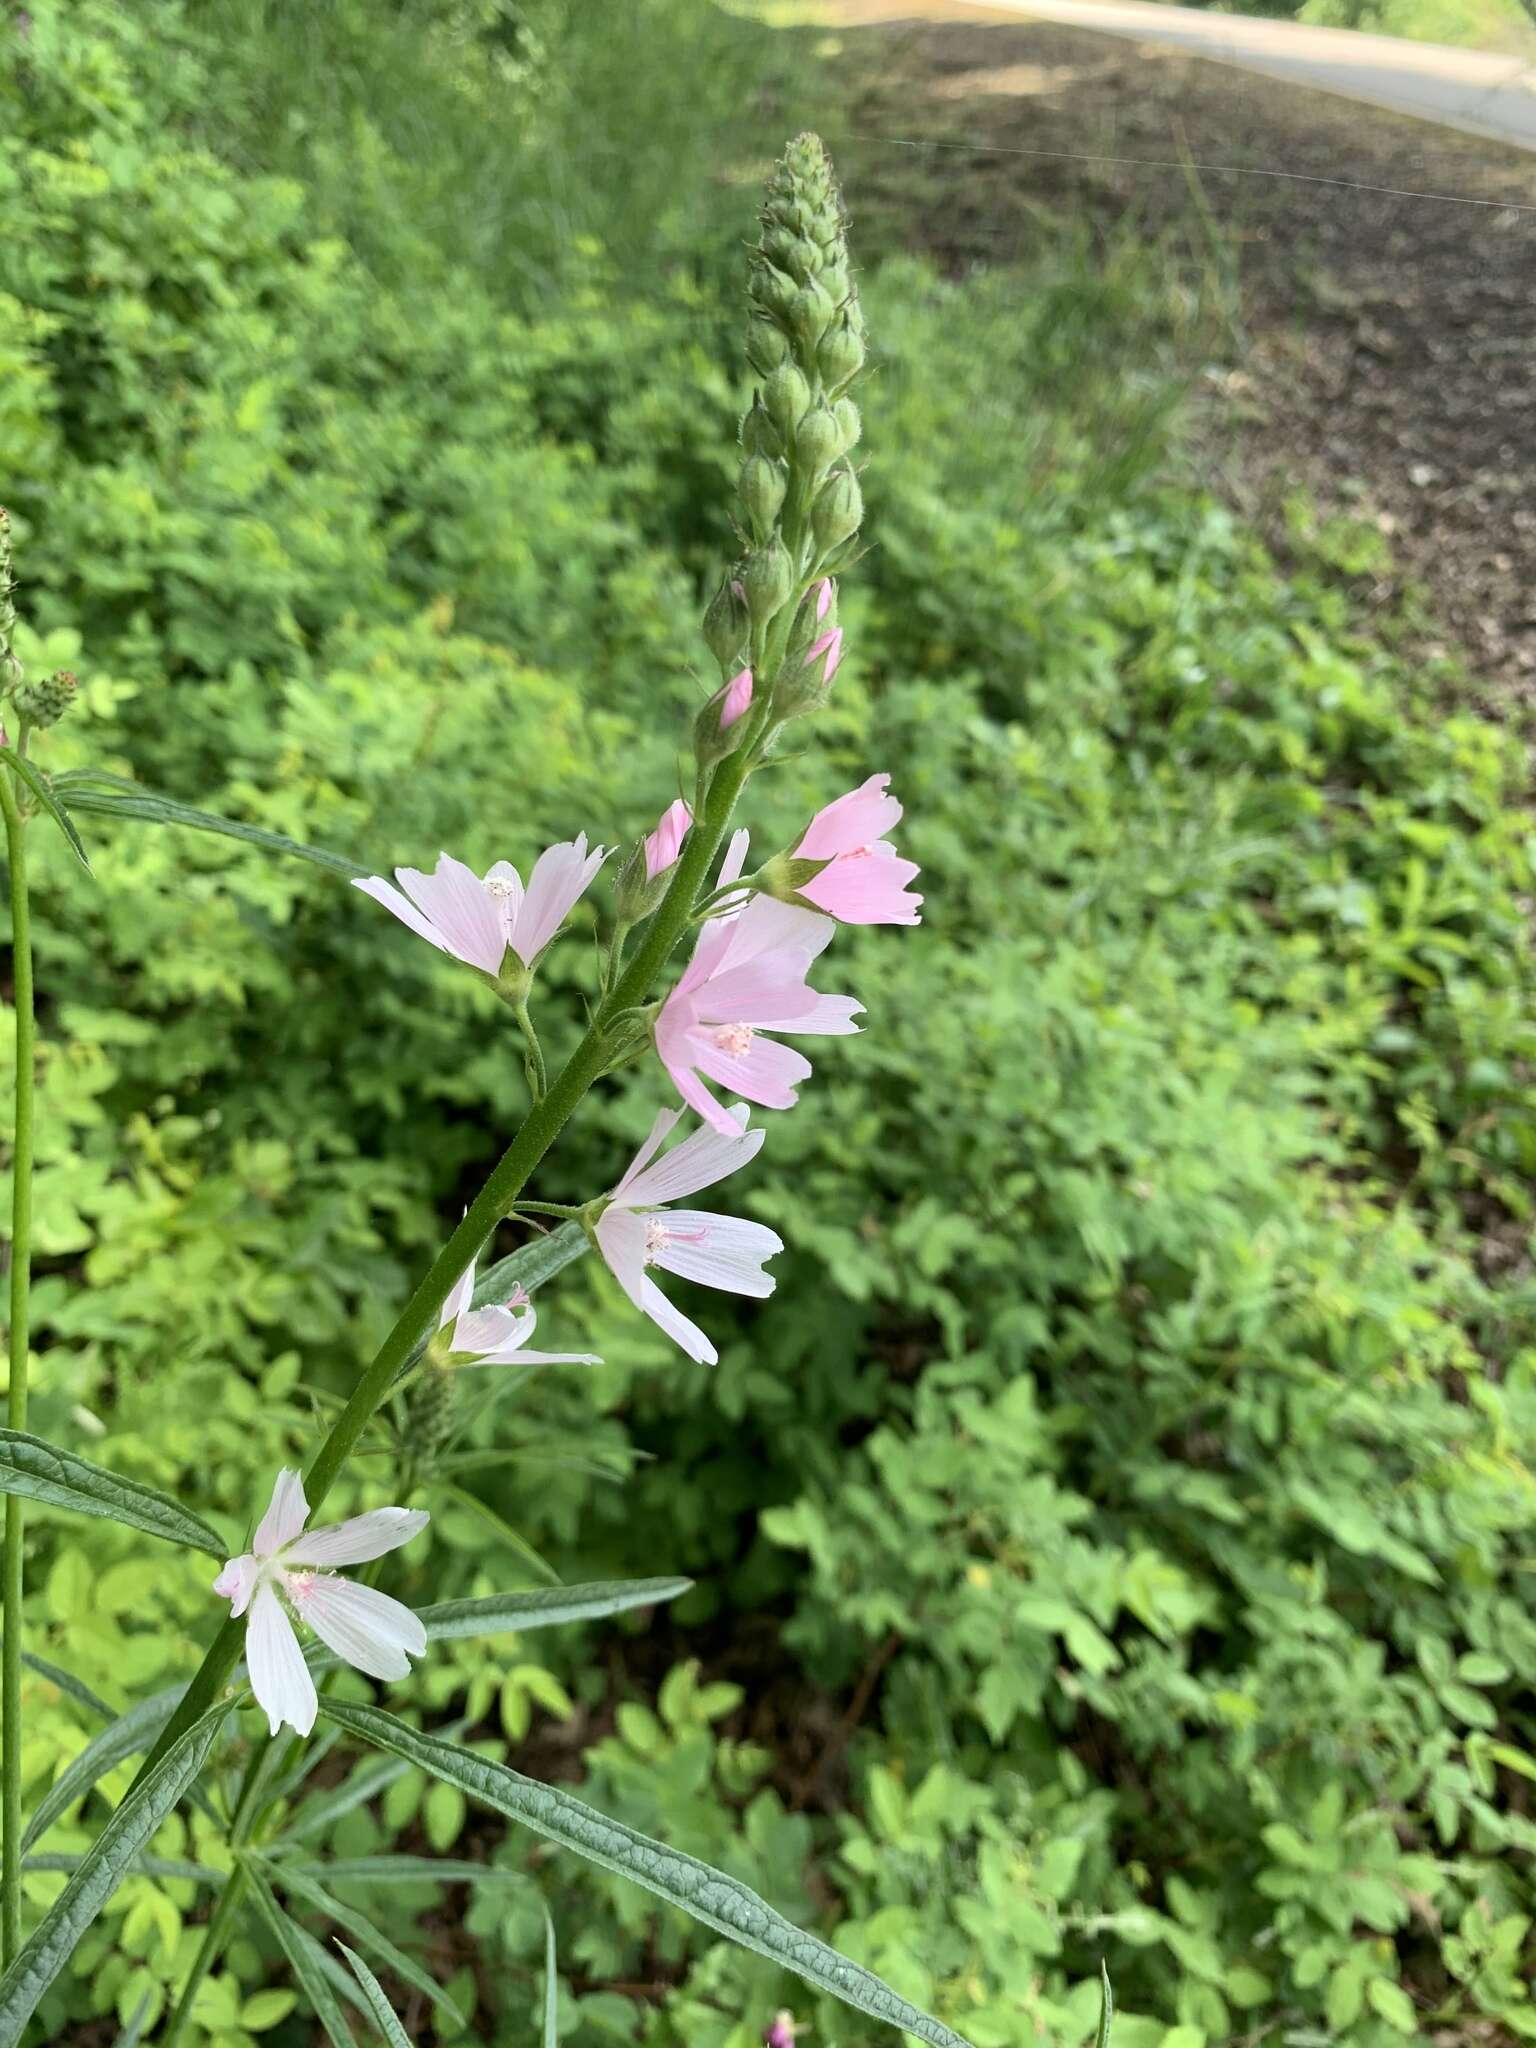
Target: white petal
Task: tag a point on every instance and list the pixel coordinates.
(403, 908)
(524, 1357)
(362, 1537)
(677, 1326)
(237, 1582)
(718, 1251)
(661, 1130)
(454, 897)
(367, 1628)
(284, 1518)
(621, 1240)
(459, 1296)
(704, 1157)
(279, 1676)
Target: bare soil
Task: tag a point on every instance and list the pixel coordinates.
(1386, 363)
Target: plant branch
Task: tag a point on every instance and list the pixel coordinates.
(16, 1406)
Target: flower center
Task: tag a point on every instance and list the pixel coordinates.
(518, 1298)
(659, 1234)
(498, 888)
(734, 1039)
(299, 1586)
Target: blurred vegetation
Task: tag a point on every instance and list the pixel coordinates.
(1113, 1537)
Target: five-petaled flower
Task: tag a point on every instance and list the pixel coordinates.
(747, 978)
(478, 921)
(865, 879)
(497, 1335)
(634, 1231)
(285, 1568)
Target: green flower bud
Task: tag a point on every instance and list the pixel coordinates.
(766, 345)
(726, 625)
(759, 436)
(811, 314)
(772, 290)
(838, 510)
(432, 1402)
(763, 484)
(766, 578)
(45, 702)
(840, 353)
(818, 440)
(786, 396)
(849, 424)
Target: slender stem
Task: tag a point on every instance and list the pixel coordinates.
(215, 1934)
(508, 1178)
(538, 1079)
(16, 1406)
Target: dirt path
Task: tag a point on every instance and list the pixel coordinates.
(1390, 359)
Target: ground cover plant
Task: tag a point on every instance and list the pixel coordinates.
(1109, 1541)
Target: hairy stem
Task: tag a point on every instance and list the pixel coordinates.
(507, 1181)
(16, 1406)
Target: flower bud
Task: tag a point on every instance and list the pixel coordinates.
(763, 484)
(759, 436)
(431, 1408)
(726, 624)
(766, 346)
(818, 440)
(643, 878)
(840, 353)
(786, 396)
(811, 314)
(849, 424)
(767, 578)
(45, 701)
(772, 290)
(838, 510)
(722, 724)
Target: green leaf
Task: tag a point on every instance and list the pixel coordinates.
(129, 2036)
(108, 1859)
(42, 1471)
(68, 1683)
(503, 1613)
(378, 2004)
(114, 796)
(531, 1264)
(126, 1736)
(330, 1806)
(719, 1901)
(295, 1879)
(504, 1530)
(297, 1946)
(1106, 2008)
(44, 791)
(146, 1866)
(408, 1870)
(551, 1988)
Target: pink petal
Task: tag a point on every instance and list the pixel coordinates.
(717, 1251)
(869, 887)
(766, 1072)
(858, 819)
(402, 907)
(735, 699)
(824, 595)
(237, 1582)
(688, 1336)
(828, 1017)
(285, 1517)
(767, 925)
(699, 1099)
(702, 1159)
(359, 1539)
(279, 1676)
(661, 1130)
(558, 881)
(454, 897)
(829, 645)
(665, 843)
(363, 1626)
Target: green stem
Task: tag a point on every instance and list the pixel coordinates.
(16, 1406)
(538, 1079)
(508, 1178)
(215, 1934)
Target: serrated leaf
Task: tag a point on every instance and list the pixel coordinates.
(380, 2007)
(295, 1879)
(114, 796)
(125, 1737)
(46, 1472)
(107, 1860)
(718, 1900)
(40, 786)
(296, 1946)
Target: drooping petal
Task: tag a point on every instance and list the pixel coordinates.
(676, 1325)
(359, 1538)
(696, 1095)
(285, 1516)
(519, 1354)
(703, 1158)
(402, 907)
(858, 819)
(371, 1631)
(455, 899)
(559, 879)
(621, 1240)
(765, 1072)
(279, 1676)
(237, 1582)
(717, 1251)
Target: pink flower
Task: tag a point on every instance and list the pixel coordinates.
(497, 1335)
(727, 1252)
(735, 699)
(746, 978)
(665, 843)
(476, 921)
(365, 1628)
(830, 646)
(865, 880)
(826, 590)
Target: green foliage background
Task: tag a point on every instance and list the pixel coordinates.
(1114, 1536)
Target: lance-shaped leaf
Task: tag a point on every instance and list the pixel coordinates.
(123, 1738)
(512, 1613)
(383, 2012)
(114, 796)
(551, 1987)
(300, 1949)
(66, 1681)
(145, 1866)
(48, 1473)
(720, 1901)
(1106, 2008)
(44, 791)
(298, 1881)
(387, 1870)
(531, 1264)
(109, 1857)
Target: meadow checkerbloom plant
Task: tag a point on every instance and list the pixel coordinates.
(701, 969)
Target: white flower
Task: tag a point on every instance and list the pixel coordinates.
(476, 921)
(696, 1244)
(369, 1630)
(498, 1336)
